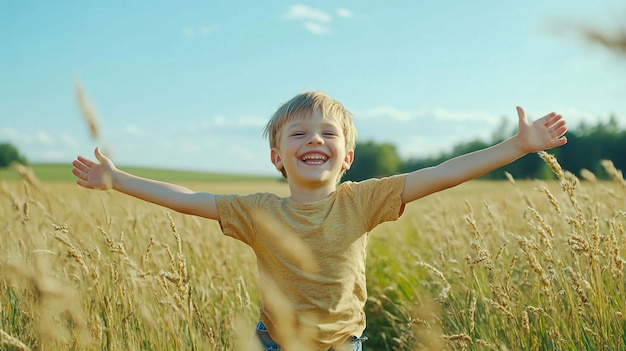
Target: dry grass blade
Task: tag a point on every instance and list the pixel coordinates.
(87, 111)
(6, 338)
(443, 294)
(615, 173)
(588, 175)
(553, 201)
(27, 174)
(509, 176)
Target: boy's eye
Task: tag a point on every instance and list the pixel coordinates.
(295, 134)
(330, 134)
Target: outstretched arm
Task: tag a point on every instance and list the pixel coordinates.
(104, 175)
(544, 133)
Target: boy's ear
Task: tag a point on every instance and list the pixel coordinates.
(276, 160)
(347, 162)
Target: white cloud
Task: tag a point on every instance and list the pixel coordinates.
(133, 130)
(344, 13)
(447, 115)
(386, 112)
(222, 122)
(305, 13)
(316, 28)
(9, 133)
(68, 140)
(313, 20)
(392, 113)
(53, 155)
(223, 152)
(44, 138)
(39, 138)
(219, 121)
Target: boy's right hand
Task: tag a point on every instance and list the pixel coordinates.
(104, 175)
(93, 175)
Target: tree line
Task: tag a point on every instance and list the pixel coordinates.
(587, 146)
(9, 155)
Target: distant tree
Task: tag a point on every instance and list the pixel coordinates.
(373, 160)
(588, 145)
(9, 155)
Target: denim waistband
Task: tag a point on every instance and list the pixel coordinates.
(270, 345)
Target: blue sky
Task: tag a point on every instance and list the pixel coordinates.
(190, 84)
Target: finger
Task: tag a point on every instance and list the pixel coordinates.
(80, 174)
(558, 132)
(559, 126)
(100, 156)
(83, 183)
(80, 165)
(87, 162)
(520, 113)
(559, 141)
(549, 119)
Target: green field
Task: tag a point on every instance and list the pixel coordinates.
(511, 265)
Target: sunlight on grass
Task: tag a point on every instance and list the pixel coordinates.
(487, 265)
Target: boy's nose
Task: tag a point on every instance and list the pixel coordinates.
(315, 138)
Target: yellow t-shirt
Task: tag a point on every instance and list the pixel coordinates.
(311, 256)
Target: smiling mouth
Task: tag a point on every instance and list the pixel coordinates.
(314, 159)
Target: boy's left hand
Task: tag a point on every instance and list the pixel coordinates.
(545, 133)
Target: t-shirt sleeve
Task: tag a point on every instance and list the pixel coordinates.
(380, 199)
(236, 219)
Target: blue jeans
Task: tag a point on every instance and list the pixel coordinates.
(271, 345)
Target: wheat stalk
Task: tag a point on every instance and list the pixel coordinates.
(87, 111)
(6, 338)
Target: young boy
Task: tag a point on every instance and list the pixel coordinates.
(311, 246)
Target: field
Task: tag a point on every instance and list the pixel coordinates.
(514, 265)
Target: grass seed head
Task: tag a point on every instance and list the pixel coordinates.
(87, 111)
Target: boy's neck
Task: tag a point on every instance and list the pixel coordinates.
(310, 194)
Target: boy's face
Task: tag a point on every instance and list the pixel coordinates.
(312, 150)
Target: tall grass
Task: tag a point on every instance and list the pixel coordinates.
(520, 265)
(528, 266)
(84, 270)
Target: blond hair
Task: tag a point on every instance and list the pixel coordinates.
(302, 106)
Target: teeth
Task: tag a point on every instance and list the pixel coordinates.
(317, 157)
(314, 157)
